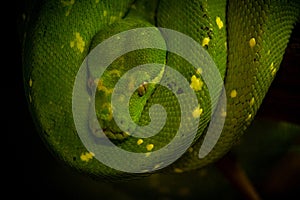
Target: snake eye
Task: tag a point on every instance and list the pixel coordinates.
(142, 89)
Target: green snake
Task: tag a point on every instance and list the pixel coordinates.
(245, 39)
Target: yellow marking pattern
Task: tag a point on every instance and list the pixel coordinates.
(249, 117)
(273, 69)
(274, 72)
(233, 93)
(68, 4)
(157, 166)
(87, 156)
(149, 147)
(252, 101)
(101, 87)
(205, 41)
(147, 154)
(30, 99)
(78, 42)
(223, 113)
(197, 112)
(116, 72)
(196, 83)
(219, 22)
(199, 71)
(108, 116)
(252, 42)
(178, 170)
(272, 66)
(112, 19)
(140, 141)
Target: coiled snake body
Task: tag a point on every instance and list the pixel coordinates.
(245, 39)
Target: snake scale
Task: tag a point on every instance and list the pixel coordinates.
(245, 39)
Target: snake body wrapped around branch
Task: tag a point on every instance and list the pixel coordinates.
(245, 40)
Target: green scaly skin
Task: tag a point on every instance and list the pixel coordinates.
(60, 34)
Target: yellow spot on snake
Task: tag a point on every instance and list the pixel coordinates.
(96, 81)
(249, 117)
(147, 154)
(101, 87)
(157, 165)
(104, 13)
(78, 42)
(87, 156)
(112, 19)
(149, 147)
(269, 52)
(115, 72)
(273, 69)
(205, 41)
(196, 83)
(30, 82)
(251, 101)
(252, 42)
(219, 22)
(140, 141)
(68, 4)
(197, 112)
(223, 113)
(30, 98)
(108, 109)
(272, 66)
(178, 170)
(97, 1)
(233, 94)
(274, 72)
(199, 71)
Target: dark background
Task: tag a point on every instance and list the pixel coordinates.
(39, 174)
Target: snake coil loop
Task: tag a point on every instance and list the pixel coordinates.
(242, 44)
